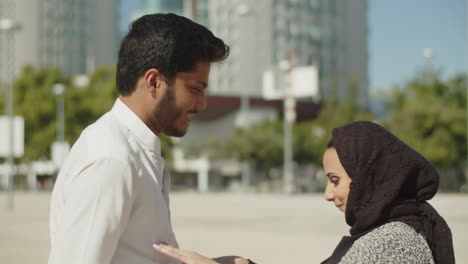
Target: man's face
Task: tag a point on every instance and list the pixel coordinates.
(181, 100)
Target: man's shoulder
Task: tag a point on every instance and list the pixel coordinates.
(102, 145)
(105, 138)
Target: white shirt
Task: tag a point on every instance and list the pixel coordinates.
(110, 201)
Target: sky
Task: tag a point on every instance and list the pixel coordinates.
(127, 10)
(400, 29)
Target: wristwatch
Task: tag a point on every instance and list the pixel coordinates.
(250, 262)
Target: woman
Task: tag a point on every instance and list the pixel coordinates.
(382, 186)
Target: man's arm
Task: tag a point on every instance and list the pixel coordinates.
(95, 212)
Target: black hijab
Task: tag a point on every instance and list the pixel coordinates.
(390, 182)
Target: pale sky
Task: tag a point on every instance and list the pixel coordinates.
(399, 30)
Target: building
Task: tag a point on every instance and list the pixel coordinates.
(194, 9)
(330, 34)
(75, 35)
(162, 6)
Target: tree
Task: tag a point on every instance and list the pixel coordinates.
(261, 144)
(429, 114)
(311, 137)
(34, 100)
(85, 105)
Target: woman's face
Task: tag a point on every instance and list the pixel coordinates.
(337, 190)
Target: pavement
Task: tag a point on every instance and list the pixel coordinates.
(268, 228)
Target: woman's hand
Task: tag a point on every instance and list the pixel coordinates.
(190, 257)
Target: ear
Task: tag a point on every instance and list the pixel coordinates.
(153, 81)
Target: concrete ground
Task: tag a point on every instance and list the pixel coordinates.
(268, 228)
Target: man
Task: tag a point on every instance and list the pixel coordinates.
(110, 202)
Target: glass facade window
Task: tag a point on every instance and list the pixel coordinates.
(202, 12)
(162, 6)
(314, 4)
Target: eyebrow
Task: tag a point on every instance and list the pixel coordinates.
(331, 174)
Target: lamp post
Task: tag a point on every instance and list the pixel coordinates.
(465, 186)
(245, 11)
(289, 105)
(428, 54)
(9, 26)
(59, 90)
(60, 147)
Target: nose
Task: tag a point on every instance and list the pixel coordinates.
(202, 103)
(329, 194)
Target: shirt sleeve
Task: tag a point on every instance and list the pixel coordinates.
(166, 179)
(96, 207)
(166, 190)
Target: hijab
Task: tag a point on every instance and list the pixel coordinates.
(390, 182)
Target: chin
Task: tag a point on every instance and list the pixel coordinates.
(178, 135)
(175, 132)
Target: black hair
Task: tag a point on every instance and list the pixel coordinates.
(330, 143)
(168, 43)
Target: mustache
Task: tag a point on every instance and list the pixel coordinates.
(193, 112)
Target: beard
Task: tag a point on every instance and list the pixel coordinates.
(166, 114)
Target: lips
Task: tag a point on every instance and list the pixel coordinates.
(191, 114)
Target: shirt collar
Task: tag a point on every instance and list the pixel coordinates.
(136, 126)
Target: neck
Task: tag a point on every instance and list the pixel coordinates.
(138, 107)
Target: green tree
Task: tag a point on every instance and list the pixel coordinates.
(311, 137)
(34, 100)
(429, 114)
(261, 144)
(86, 104)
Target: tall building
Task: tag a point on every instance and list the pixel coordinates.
(192, 9)
(162, 6)
(75, 35)
(330, 34)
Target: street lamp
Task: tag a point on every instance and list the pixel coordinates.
(244, 11)
(465, 186)
(9, 26)
(428, 54)
(60, 147)
(289, 105)
(59, 90)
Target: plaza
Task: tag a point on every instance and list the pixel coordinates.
(268, 228)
